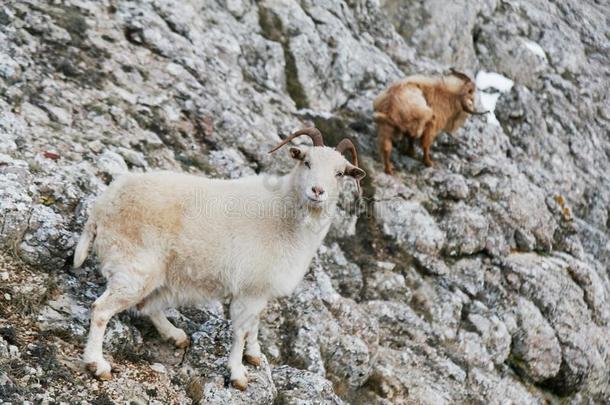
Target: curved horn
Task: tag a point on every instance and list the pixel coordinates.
(469, 111)
(459, 74)
(312, 132)
(345, 145)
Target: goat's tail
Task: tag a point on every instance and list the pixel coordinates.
(82, 248)
(379, 117)
(382, 118)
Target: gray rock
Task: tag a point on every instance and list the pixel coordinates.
(64, 315)
(111, 164)
(406, 221)
(386, 285)
(302, 387)
(535, 347)
(483, 279)
(466, 231)
(15, 205)
(46, 243)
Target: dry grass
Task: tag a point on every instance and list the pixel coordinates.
(194, 389)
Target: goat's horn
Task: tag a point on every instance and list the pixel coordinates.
(345, 145)
(460, 74)
(312, 132)
(469, 111)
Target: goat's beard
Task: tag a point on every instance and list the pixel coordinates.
(315, 207)
(319, 215)
(318, 209)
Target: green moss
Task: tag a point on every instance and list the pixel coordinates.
(4, 18)
(293, 85)
(98, 109)
(69, 60)
(271, 27)
(333, 129)
(270, 24)
(71, 20)
(195, 160)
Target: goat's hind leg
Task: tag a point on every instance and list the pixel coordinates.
(244, 316)
(124, 290)
(102, 310)
(384, 139)
(426, 142)
(154, 306)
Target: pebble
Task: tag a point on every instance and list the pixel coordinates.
(158, 368)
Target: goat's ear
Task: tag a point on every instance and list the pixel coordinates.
(355, 172)
(467, 88)
(297, 153)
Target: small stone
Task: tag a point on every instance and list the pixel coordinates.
(386, 265)
(132, 157)
(158, 368)
(96, 146)
(13, 351)
(112, 164)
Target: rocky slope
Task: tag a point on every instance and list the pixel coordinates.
(482, 280)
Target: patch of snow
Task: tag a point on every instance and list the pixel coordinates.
(488, 101)
(490, 86)
(491, 80)
(535, 48)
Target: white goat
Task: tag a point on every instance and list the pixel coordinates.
(167, 239)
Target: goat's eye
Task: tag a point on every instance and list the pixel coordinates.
(340, 174)
(307, 165)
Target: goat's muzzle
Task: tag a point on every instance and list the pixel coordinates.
(472, 112)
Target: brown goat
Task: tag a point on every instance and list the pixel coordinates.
(421, 107)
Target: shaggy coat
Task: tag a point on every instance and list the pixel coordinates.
(420, 107)
(166, 239)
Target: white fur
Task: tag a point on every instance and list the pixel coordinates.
(167, 239)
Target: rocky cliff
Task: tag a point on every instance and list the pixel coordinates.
(484, 279)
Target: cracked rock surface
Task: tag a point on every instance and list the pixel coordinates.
(484, 279)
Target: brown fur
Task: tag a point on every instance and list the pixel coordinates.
(420, 107)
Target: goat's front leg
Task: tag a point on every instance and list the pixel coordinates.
(253, 348)
(409, 145)
(426, 142)
(244, 316)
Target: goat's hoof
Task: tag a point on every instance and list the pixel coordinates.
(428, 163)
(106, 376)
(183, 344)
(239, 376)
(252, 360)
(100, 371)
(389, 171)
(240, 383)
